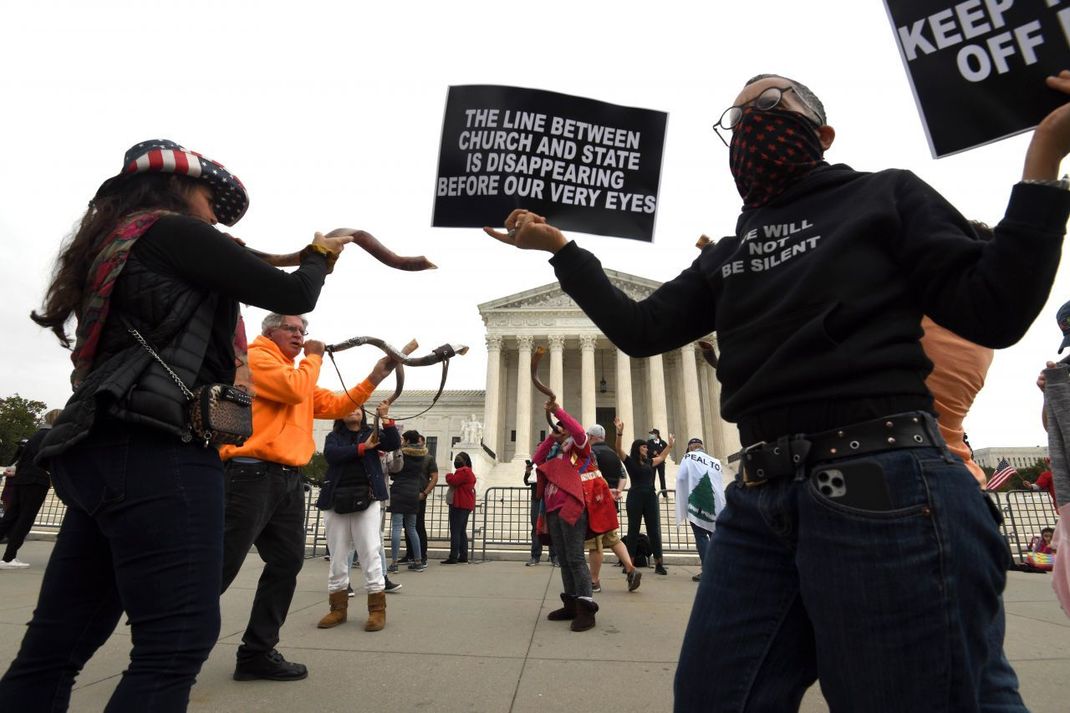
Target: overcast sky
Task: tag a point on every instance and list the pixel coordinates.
(331, 114)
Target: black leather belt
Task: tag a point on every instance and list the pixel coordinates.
(781, 458)
(264, 466)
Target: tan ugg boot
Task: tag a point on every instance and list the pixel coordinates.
(376, 612)
(339, 602)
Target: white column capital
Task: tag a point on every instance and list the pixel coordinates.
(494, 342)
(688, 348)
(557, 342)
(525, 341)
(587, 342)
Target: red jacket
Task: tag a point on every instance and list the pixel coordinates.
(464, 482)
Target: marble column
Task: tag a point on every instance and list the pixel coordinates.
(523, 399)
(624, 397)
(658, 410)
(692, 404)
(557, 371)
(587, 377)
(491, 402)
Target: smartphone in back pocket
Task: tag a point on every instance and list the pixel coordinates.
(856, 484)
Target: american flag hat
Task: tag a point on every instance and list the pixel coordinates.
(229, 197)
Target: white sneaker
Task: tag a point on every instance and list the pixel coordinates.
(13, 564)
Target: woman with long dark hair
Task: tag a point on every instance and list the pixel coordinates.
(642, 503)
(463, 483)
(143, 532)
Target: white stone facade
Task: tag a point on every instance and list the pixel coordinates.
(676, 392)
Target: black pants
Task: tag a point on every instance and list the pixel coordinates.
(21, 511)
(642, 506)
(265, 506)
(421, 532)
(459, 533)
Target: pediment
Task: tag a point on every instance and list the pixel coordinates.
(551, 296)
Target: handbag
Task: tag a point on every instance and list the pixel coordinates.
(218, 414)
(351, 498)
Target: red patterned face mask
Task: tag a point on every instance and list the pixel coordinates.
(770, 150)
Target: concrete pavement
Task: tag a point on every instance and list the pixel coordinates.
(475, 638)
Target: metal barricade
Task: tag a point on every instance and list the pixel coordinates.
(1025, 514)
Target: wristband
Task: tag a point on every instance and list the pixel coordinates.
(1063, 183)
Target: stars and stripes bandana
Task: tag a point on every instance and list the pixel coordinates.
(770, 150)
(230, 200)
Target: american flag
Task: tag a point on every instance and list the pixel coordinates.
(1003, 473)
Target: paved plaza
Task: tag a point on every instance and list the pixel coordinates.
(474, 638)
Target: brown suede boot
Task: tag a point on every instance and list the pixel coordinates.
(585, 610)
(339, 602)
(566, 612)
(376, 612)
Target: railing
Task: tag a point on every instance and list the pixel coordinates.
(1025, 514)
(502, 519)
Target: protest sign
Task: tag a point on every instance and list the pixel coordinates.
(585, 165)
(977, 67)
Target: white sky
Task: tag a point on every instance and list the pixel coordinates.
(331, 114)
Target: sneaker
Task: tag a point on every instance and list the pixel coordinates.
(326, 558)
(660, 569)
(418, 567)
(392, 568)
(596, 587)
(532, 562)
(349, 591)
(553, 562)
(269, 667)
(391, 587)
(14, 564)
(634, 578)
(696, 577)
(449, 560)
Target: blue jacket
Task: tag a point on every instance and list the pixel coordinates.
(341, 454)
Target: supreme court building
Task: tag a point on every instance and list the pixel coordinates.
(676, 392)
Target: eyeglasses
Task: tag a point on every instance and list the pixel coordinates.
(765, 101)
(293, 329)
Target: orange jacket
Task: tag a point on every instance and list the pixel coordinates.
(287, 400)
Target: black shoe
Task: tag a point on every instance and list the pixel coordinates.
(407, 559)
(449, 560)
(270, 666)
(391, 587)
(462, 560)
(659, 569)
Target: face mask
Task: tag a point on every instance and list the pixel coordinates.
(458, 464)
(770, 151)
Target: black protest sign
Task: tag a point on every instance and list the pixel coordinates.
(978, 66)
(584, 164)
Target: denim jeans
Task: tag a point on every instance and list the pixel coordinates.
(702, 541)
(459, 532)
(143, 534)
(568, 541)
(397, 520)
(893, 610)
(536, 545)
(421, 532)
(264, 507)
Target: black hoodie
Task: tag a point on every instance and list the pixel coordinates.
(817, 300)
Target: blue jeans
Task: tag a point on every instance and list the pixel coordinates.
(459, 533)
(571, 556)
(702, 541)
(143, 534)
(893, 610)
(397, 519)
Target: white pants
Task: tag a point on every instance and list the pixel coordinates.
(358, 531)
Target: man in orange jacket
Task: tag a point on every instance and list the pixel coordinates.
(265, 503)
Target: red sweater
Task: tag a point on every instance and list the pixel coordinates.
(464, 482)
